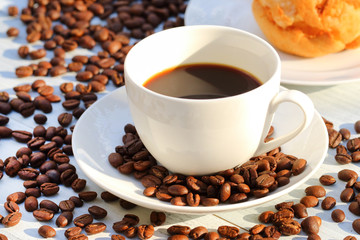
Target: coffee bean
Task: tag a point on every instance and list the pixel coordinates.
(347, 174)
(300, 210)
(327, 180)
(94, 228)
(49, 189)
(338, 215)
(356, 225)
(65, 119)
(28, 173)
(12, 167)
(3, 120)
(71, 104)
(83, 220)
(48, 204)
(13, 11)
(79, 237)
(40, 118)
(3, 237)
(33, 192)
(12, 32)
(353, 144)
(46, 231)
(33, 36)
(97, 212)
(316, 191)
(357, 126)
(23, 71)
(5, 132)
(347, 195)
(31, 203)
(108, 197)
(178, 229)
(11, 207)
(64, 219)
(228, 231)
(37, 54)
(43, 214)
(21, 136)
(17, 197)
(212, 236)
(12, 219)
(328, 203)
(57, 70)
(157, 218)
(67, 206)
(73, 231)
(334, 138)
(117, 237)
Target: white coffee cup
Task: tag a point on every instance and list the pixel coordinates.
(198, 137)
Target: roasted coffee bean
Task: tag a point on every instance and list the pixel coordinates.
(47, 231)
(79, 237)
(3, 237)
(310, 201)
(77, 112)
(126, 204)
(316, 191)
(78, 184)
(64, 219)
(356, 225)
(43, 214)
(13, 11)
(347, 174)
(300, 210)
(212, 236)
(5, 107)
(33, 192)
(310, 225)
(73, 231)
(12, 32)
(357, 126)
(45, 90)
(198, 232)
(266, 217)
(347, 195)
(338, 215)
(12, 167)
(88, 196)
(28, 173)
(37, 54)
(65, 119)
(43, 104)
(328, 203)
(228, 231)
(57, 70)
(97, 212)
(49, 189)
(334, 138)
(71, 104)
(23, 71)
(354, 208)
(40, 118)
(178, 229)
(23, 51)
(83, 220)
(3, 120)
(108, 197)
(94, 228)
(5, 132)
(21, 136)
(11, 207)
(327, 180)
(67, 206)
(48, 204)
(17, 197)
(157, 218)
(68, 176)
(11, 219)
(31, 204)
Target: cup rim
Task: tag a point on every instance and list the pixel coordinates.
(187, 100)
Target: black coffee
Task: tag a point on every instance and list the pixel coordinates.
(202, 81)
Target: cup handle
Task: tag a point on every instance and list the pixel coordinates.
(300, 99)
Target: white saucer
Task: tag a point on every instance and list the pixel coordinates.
(331, 69)
(100, 130)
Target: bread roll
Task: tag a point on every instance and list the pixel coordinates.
(309, 28)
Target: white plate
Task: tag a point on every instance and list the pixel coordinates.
(331, 69)
(100, 129)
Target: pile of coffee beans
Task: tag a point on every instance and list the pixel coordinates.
(255, 178)
(64, 26)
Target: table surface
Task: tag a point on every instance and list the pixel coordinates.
(339, 104)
